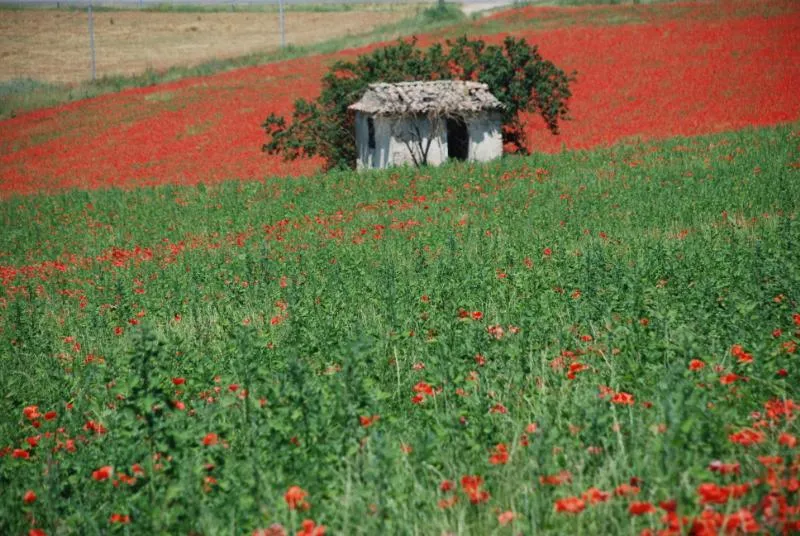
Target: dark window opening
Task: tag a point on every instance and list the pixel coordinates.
(457, 139)
(370, 133)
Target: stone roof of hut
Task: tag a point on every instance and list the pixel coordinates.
(440, 97)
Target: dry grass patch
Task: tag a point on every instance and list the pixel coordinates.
(53, 45)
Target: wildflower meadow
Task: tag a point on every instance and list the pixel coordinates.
(596, 340)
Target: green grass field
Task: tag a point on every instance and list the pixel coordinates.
(623, 319)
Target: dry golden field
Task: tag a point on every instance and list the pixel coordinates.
(53, 45)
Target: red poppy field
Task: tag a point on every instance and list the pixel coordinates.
(671, 70)
(592, 341)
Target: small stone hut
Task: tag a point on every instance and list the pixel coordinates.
(418, 123)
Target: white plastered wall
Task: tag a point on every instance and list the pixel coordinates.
(379, 156)
(417, 134)
(391, 135)
(485, 137)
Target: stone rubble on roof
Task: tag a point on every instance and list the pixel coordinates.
(440, 97)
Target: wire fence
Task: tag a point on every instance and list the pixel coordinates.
(74, 40)
(178, 4)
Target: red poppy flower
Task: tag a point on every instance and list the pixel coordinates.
(747, 437)
(605, 391)
(547, 252)
(28, 497)
(31, 412)
(724, 468)
(563, 477)
(498, 408)
(575, 368)
(595, 496)
(96, 427)
(104, 473)
(788, 440)
(506, 517)
(669, 505)
(119, 518)
(626, 489)
(711, 493)
(295, 498)
(423, 388)
(622, 399)
(36, 532)
(730, 378)
(500, 455)
(311, 529)
(21, 454)
(178, 381)
(741, 521)
(50, 415)
(471, 484)
(738, 491)
(446, 485)
(696, 364)
(210, 439)
(570, 505)
(641, 508)
(770, 460)
(367, 421)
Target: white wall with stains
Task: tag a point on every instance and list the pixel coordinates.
(402, 141)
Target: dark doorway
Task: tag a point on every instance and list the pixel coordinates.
(457, 139)
(370, 133)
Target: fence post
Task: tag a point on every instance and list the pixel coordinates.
(283, 23)
(91, 41)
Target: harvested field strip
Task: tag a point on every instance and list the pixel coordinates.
(52, 45)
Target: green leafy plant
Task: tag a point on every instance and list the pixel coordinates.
(515, 72)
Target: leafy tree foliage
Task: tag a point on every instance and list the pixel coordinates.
(515, 72)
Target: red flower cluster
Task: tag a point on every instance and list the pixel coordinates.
(738, 352)
(472, 486)
(295, 498)
(422, 390)
(499, 455)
